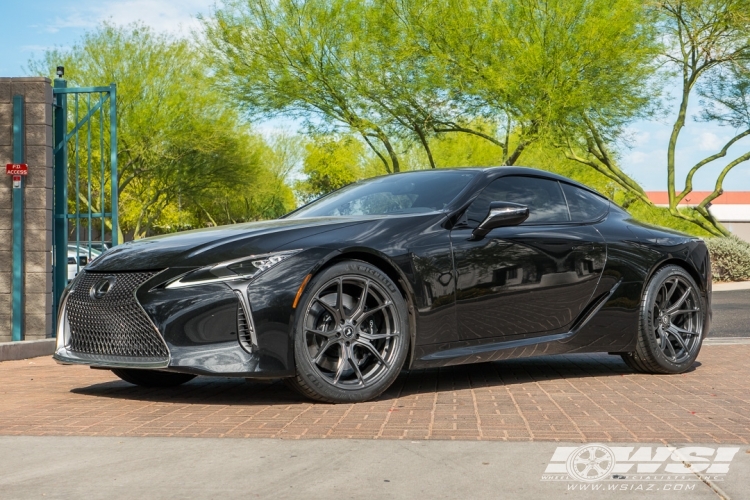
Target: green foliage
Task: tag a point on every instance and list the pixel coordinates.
(401, 73)
(332, 162)
(181, 144)
(456, 150)
(262, 194)
(389, 85)
(707, 45)
(329, 164)
(661, 216)
(730, 258)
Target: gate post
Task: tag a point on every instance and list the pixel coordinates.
(60, 226)
(26, 211)
(17, 286)
(113, 164)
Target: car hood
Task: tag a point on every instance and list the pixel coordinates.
(202, 247)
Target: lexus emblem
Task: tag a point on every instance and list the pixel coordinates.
(102, 287)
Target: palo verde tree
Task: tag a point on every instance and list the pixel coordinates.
(709, 50)
(571, 73)
(400, 73)
(289, 57)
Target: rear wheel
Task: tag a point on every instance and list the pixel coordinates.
(670, 334)
(152, 378)
(352, 336)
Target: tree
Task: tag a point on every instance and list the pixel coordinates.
(288, 57)
(178, 136)
(709, 48)
(567, 72)
(329, 164)
(266, 196)
(399, 72)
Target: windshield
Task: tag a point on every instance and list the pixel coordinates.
(414, 192)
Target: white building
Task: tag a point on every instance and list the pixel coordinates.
(731, 208)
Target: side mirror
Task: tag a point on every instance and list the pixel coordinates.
(502, 214)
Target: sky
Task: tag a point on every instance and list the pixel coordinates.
(32, 26)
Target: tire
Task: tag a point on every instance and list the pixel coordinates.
(671, 324)
(152, 378)
(347, 349)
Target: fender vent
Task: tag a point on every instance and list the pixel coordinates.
(244, 327)
(593, 308)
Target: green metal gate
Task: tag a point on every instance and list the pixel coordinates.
(85, 177)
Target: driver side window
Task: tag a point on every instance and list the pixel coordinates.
(544, 198)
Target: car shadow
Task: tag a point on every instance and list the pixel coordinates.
(201, 391)
(233, 391)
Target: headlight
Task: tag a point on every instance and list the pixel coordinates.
(238, 269)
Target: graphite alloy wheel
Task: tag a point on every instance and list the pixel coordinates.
(152, 378)
(671, 328)
(352, 335)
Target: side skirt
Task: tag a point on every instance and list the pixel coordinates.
(491, 350)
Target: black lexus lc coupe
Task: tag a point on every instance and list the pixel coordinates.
(420, 269)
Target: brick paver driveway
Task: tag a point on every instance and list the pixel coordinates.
(566, 398)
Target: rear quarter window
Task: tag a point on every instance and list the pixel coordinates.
(584, 205)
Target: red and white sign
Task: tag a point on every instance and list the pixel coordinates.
(17, 169)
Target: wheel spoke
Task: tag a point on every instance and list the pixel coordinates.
(374, 352)
(343, 361)
(665, 342)
(658, 309)
(682, 331)
(322, 333)
(333, 312)
(661, 304)
(680, 301)
(373, 311)
(678, 338)
(684, 311)
(362, 300)
(340, 299)
(378, 336)
(319, 356)
(354, 365)
(670, 291)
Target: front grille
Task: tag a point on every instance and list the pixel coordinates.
(114, 324)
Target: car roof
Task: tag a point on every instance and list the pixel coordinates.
(512, 170)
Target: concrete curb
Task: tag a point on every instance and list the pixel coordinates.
(727, 341)
(26, 349)
(728, 287)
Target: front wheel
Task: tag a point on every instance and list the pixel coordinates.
(670, 331)
(352, 334)
(152, 378)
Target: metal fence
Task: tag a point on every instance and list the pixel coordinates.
(85, 178)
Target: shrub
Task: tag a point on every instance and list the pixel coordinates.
(730, 258)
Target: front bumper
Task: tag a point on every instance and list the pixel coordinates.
(204, 330)
(101, 322)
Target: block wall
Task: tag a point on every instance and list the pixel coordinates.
(37, 93)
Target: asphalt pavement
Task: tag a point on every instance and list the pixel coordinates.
(731, 314)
